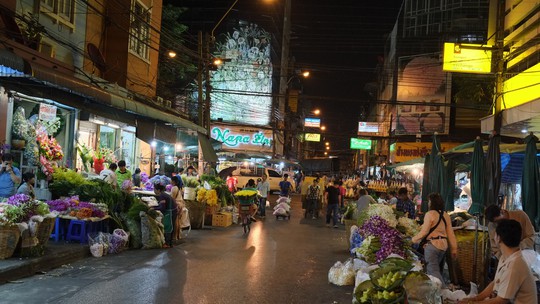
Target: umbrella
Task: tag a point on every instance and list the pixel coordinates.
(493, 170)
(449, 185)
(425, 184)
(436, 166)
(477, 178)
(530, 183)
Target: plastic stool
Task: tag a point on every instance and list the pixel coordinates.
(77, 231)
(58, 230)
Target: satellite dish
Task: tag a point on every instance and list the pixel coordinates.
(96, 57)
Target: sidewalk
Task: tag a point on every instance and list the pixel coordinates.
(56, 255)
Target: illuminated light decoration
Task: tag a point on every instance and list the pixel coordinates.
(313, 137)
(235, 140)
(242, 88)
(172, 54)
(178, 147)
(467, 58)
(312, 122)
(522, 88)
(360, 144)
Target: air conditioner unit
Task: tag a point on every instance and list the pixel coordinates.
(168, 104)
(159, 100)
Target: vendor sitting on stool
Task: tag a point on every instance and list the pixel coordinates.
(514, 281)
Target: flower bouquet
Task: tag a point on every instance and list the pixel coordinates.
(246, 196)
(380, 240)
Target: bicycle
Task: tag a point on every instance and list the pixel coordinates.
(245, 215)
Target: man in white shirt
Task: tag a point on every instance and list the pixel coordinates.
(109, 176)
(264, 188)
(514, 281)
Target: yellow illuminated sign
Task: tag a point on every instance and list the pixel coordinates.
(313, 137)
(522, 88)
(467, 58)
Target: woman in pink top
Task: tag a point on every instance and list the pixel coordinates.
(437, 229)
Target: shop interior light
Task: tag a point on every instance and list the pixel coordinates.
(153, 143)
(246, 164)
(165, 148)
(97, 121)
(178, 147)
(113, 125)
(524, 131)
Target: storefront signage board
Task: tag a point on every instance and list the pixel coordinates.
(245, 138)
(467, 58)
(405, 151)
(312, 122)
(368, 127)
(47, 112)
(360, 144)
(313, 137)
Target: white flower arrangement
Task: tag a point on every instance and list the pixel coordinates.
(384, 211)
(410, 227)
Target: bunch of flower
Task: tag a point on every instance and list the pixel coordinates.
(408, 226)
(144, 177)
(31, 153)
(211, 197)
(160, 179)
(74, 207)
(21, 128)
(201, 195)
(384, 211)
(49, 147)
(21, 207)
(10, 214)
(389, 238)
(105, 154)
(86, 155)
(47, 167)
(50, 126)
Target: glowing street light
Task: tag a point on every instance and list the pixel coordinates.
(172, 54)
(316, 111)
(325, 153)
(305, 74)
(323, 128)
(178, 147)
(327, 143)
(327, 148)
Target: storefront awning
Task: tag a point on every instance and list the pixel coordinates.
(148, 131)
(209, 153)
(73, 85)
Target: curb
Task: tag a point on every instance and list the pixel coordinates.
(51, 259)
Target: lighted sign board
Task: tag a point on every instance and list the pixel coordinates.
(368, 127)
(405, 151)
(360, 144)
(242, 87)
(522, 87)
(312, 122)
(243, 137)
(313, 137)
(467, 58)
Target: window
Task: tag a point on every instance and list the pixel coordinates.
(59, 10)
(140, 30)
(273, 173)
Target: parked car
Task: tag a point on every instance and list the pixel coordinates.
(244, 174)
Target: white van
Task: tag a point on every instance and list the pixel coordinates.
(244, 174)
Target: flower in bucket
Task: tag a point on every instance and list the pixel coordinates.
(211, 197)
(201, 195)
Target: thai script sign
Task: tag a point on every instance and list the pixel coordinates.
(312, 122)
(406, 151)
(313, 137)
(47, 112)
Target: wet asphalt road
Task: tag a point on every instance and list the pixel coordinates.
(280, 261)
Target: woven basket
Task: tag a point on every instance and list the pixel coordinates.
(45, 229)
(463, 268)
(9, 238)
(196, 213)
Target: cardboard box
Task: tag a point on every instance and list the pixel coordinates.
(222, 219)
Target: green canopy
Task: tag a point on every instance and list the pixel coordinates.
(493, 170)
(477, 178)
(530, 184)
(436, 166)
(449, 185)
(425, 184)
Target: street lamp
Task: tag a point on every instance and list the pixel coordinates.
(323, 128)
(316, 111)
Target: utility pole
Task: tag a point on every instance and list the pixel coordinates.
(283, 75)
(496, 31)
(200, 99)
(208, 85)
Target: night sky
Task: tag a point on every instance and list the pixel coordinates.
(339, 41)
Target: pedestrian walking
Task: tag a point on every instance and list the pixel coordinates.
(285, 186)
(332, 197)
(312, 196)
(264, 188)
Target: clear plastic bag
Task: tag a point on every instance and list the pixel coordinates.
(342, 274)
(118, 241)
(99, 244)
